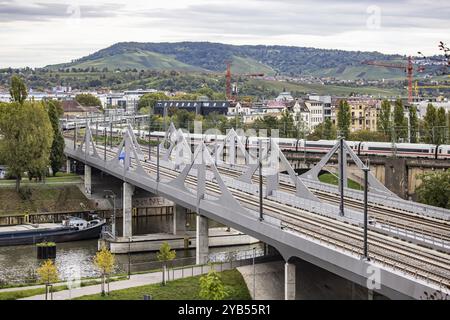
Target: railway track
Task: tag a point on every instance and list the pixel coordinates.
(440, 229)
(422, 263)
(408, 221)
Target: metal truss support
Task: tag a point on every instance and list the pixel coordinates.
(276, 162)
(88, 143)
(234, 143)
(374, 185)
(202, 161)
(136, 144)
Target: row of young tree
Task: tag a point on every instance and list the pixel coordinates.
(392, 125)
(433, 128)
(211, 286)
(30, 140)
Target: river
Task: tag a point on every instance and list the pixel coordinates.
(75, 259)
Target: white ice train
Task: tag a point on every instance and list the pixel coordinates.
(361, 148)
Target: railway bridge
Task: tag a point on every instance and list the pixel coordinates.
(398, 174)
(373, 238)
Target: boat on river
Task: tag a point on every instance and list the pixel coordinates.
(70, 229)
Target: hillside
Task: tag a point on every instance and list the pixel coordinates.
(212, 57)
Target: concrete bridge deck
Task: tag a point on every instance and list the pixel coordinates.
(397, 269)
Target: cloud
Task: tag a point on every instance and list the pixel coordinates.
(403, 26)
(11, 11)
(269, 17)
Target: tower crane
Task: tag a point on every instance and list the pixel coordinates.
(408, 68)
(439, 86)
(228, 91)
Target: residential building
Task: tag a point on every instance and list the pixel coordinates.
(240, 108)
(364, 113)
(284, 96)
(326, 104)
(422, 106)
(316, 112)
(302, 116)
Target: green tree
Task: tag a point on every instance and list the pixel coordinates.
(343, 119)
(219, 96)
(413, 124)
(429, 122)
(435, 188)
(215, 120)
(104, 261)
(441, 126)
(384, 120)
(317, 133)
(165, 255)
(325, 131)
(27, 138)
(48, 274)
(18, 89)
(270, 122)
(448, 127)
(150, 99)
(87, 99)
(211, 286)
(206, 91)
(186, 96)
(329, 130)
(57, 151)
(400, 121)
(366, 135)
(286, 125)
(183, 119)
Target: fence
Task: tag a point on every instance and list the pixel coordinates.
(183, 267)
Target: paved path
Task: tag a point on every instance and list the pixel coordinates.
(135, 281)
(40, 184)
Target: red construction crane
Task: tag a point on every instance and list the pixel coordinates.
(408, 69)
(229, 94)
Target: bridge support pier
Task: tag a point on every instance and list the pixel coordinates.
(289, 281)
(68, 165)
(202, 240)
(179, 219)
(128, 190)
(87, 179)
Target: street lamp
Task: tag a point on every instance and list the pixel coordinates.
(366, 187)
(113, 218)
(129, 258)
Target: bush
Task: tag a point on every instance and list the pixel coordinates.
(25, 193)
(46, 244)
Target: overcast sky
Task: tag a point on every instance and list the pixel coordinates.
(39, 32)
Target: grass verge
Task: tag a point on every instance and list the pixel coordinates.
(181, 289)
(331, 179)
